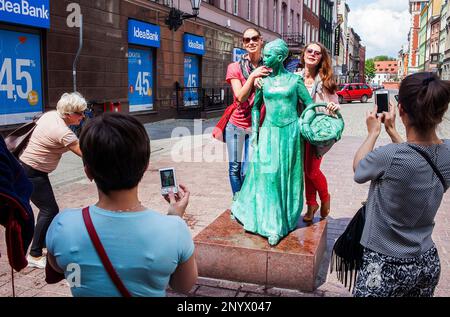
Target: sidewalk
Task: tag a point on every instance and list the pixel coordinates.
(210, 196)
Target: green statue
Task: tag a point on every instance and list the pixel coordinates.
(271, 199)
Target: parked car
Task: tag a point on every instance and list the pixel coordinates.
(376, 87)
(354, 91)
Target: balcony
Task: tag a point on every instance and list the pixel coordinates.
(294, 40)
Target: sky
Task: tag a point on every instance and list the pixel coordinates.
(383, 25)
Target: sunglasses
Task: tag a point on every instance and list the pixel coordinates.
(80, 113)
(310, 51)
(247, 40)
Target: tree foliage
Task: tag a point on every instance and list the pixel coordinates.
(383, 58)
(370, 69)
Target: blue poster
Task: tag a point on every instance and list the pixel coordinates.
(191, 81)
(237, 54)
(140, 79)
(27, 12)
(20, 77)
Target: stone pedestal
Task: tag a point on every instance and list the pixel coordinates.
(225, 251)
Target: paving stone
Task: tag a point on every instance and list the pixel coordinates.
(208, 291)
(211, 195)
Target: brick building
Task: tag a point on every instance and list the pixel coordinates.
(311, 21)
(130, 60)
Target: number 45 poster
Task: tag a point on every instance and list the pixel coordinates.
(140, 80)
(20, 77)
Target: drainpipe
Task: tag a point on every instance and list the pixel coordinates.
(74, 68)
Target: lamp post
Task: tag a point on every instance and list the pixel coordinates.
(176, 17)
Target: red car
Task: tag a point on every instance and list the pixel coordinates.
(354, 91)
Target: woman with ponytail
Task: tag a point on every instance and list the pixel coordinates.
(408, 181)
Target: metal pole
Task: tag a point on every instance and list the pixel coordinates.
(74, 69)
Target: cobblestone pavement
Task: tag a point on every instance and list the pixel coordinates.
(201, 164)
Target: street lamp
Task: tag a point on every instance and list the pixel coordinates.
(176, 17)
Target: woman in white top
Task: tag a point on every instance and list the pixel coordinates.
(51, 138)
(319, 80)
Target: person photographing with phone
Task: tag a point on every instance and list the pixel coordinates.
(408, 181)
(146, 249)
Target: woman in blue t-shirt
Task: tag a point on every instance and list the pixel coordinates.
(147, 250)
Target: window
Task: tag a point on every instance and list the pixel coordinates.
(275, 6)
(291, 21)
(298, 23)
(249, 10)
(235, 7)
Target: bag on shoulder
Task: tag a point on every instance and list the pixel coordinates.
(17, 140)
(219, 129)
(347, 253)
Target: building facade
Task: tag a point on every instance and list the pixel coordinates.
(311, 24)
(415, 9)
(130, 60)
(445, 70)
(385, 71)
(326, 24)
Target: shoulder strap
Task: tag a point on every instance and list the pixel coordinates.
(426, 157)
(102, 254)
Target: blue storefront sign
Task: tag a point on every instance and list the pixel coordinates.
(141, 33)
(194, 44)
(237, 54)
(20, 77)
(191, 79)
(26, 12)
(140, 79)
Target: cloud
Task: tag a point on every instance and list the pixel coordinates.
(383, 26)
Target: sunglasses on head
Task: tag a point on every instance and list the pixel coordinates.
(313, 52)
(247, 40)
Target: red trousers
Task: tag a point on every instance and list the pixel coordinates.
(315, 181)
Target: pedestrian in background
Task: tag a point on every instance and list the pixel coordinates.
(319, 80)
(148, 250)
(400, 257)
(241, 76)
(50, 139)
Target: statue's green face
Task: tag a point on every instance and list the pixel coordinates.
(270, 58)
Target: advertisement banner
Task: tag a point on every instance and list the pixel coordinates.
(20, 77)
(146, 34)
(337, 40)
(26, 12)
(140, 79)
(194, 44)
(191, 81)
(237, 54)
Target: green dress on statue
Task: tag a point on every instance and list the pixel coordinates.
(271, 198)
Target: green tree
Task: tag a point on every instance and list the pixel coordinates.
(383, 58)
(370, 69)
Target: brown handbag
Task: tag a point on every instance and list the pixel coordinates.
(18, 140)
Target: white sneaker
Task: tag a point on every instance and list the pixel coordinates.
(38, 262)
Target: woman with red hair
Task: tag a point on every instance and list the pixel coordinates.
(318, 78)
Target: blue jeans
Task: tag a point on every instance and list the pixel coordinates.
(237, 140)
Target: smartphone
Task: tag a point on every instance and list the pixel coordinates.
(382, 100)
(168, 180)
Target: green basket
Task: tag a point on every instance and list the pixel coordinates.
(319, 128)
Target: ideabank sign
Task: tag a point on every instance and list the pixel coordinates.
(146, 34)
(26, 12)
(194, 44)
